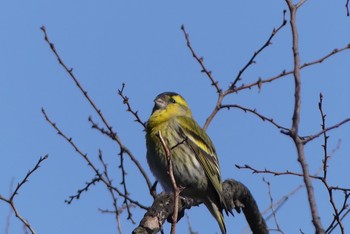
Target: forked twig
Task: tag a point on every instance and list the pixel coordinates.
(113, 135)
(89, 162)
(129, 109)
(233, 87)
(11, 202)
(323, 131)
(278, 228)
(116, 211)
(200, 60)
(285, 73)
(294, 132)
(256, 53)
(325, 166)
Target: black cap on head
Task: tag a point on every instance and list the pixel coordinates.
(167, 94)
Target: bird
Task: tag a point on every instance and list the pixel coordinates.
(193, 156)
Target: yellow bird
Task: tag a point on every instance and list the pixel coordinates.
(193, 156)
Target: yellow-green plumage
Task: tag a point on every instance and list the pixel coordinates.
(195, 163)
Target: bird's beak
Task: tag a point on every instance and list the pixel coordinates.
(159, 103)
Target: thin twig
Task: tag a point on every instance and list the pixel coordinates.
(300, 3)
(232, 88)
(11, 202)
(123, 183)
(129, 109)
(94, 125)
(112, 134)
(82, 190)
(200, 60)
(256, 53)
(284, 73)
(336, 216)
(274, 173)
(90, 164)
(325, 138)
(345, 209)
(272, 207)
(114, 198)
(254, 111)
(176, 188)
(190, 228)
(8, 218)
(312, 137)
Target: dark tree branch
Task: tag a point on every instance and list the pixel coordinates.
(236, 196)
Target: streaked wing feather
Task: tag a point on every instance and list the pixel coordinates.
(204, 150)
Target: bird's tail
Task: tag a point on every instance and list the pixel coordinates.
(217, 213)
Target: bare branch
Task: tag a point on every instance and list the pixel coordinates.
(90, 164)
(284, 73)
(114, 198)
(312, 137)
(236, 196)
(254, 111)
(201, 63)
(36, 167)
(251, 60)
(122, 167)
(334, 224)
(275, 173)
(325, 138)
(325, 166)
(113, 135)
(272, 207)
(215, 111)
(84, 189)
(296, 119)
(10, 200)
(129, 109)
(300, 3)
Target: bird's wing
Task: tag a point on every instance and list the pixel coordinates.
(204, 150)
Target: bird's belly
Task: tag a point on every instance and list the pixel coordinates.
(189, 175)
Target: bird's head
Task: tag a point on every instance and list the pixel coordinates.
(168, 105)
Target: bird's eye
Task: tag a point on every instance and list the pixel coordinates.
(172, 100)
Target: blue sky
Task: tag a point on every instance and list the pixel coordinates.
(113, 42)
